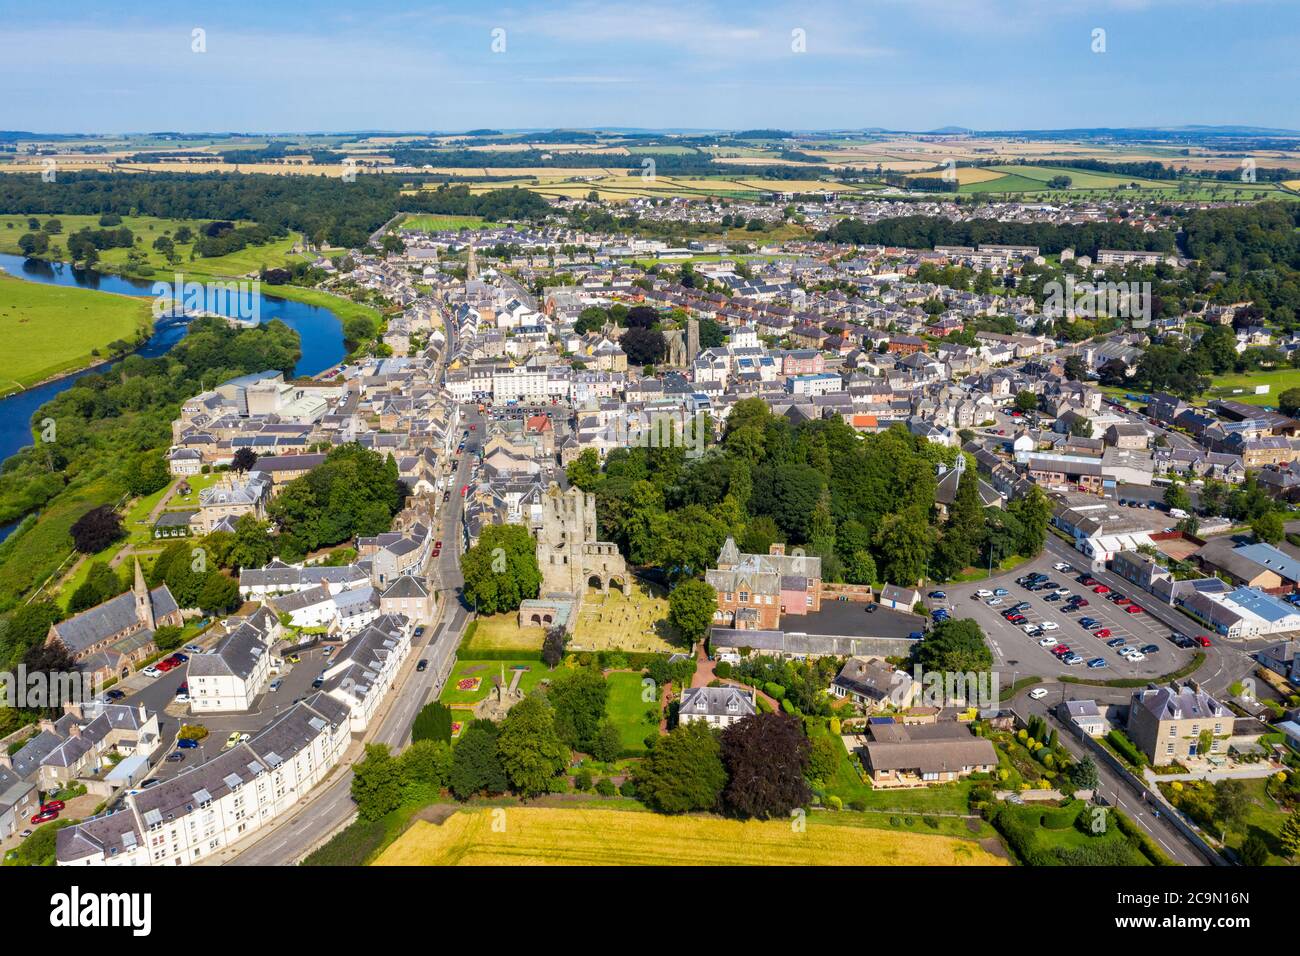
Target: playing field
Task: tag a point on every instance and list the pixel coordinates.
(49, 329)
(540, 836)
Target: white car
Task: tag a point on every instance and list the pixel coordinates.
(993, 602)
(1062, 566)
(1062, 592)
(1038, 693)
(984, 593)
(151, 671)
(1136, 657)
(1050, 625)
(1029, 626)
(182, 698)
(1047, 642)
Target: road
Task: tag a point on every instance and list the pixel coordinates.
(1116, 792)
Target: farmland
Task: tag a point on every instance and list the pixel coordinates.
(48, 330)
(537, 836)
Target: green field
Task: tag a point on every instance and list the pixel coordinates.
(440, 223)
(1087, 184)
(486, 670)
(1278, 381)
(501, 632)
(634, 718)
(49, 330)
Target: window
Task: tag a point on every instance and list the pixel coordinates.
(744, 597)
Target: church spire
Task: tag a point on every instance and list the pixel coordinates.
(143, 600)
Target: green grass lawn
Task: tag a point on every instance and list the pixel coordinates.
(1278, 381)
(453, 697)
(440, 223)
(634, 718)
(48, 329)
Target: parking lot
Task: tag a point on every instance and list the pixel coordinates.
(295, 683)
(1016, 652)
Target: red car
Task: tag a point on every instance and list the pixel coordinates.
(54, 806)
(1088, 582)
(464, 490)
(1133, 609)
(437, 551)
(1121, 600)
(437, 544)
(1017, 619)
(44, 817)
(473, 428)
(1201, 640)
(1104, 632)
(1082, 602)
(1101, 589)
(1061, 649)
(165, 666)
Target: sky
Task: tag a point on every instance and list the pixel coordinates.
(327, 65)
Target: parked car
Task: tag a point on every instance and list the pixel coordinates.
(1184, 642)
(1052, 598)
(1103, 633)
(984, 593)
(151, 671)
(1136, 657)
(1050, 625)
(1150, 649)
(275, 685)
(1101, 589)
(1000, 592)
(115, 694)
(1047, 642)
(1038, 693)
(294, 659)
(937, 595)
(175, 756)
(418, 632)
(244, 738)
(1063, 567)
(182, 698)
(45, 817)
(422, 666)
(1097, 662)
(1086, 621)
(993, 602)
(186, 744)
(232, 740)
(1133, 609)
(1115, 642)
(1072, 659)
(52, 806)
(318, 683)
(193, 649)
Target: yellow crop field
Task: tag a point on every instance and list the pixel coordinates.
(541, 836)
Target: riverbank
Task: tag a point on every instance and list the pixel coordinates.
(51, 331)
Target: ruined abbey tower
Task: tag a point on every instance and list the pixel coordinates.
(568, 553)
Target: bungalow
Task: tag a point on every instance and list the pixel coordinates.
(898, 755)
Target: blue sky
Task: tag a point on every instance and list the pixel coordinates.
(900, 64)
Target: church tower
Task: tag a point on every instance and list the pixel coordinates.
(471, 271)
(143, 601)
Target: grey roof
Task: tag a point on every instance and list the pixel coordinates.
(235, 655)
(105, 620)
(717, 702)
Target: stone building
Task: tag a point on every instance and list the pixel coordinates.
(568, 552)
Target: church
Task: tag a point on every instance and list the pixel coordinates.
(108, 639)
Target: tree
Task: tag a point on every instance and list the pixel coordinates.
(691, 606)
(553, 646)
(643, 346)
(1254, 850)
(608, 743)
(760, 534)
(253, 545)
(149, 474)
(476, 765)
(1084, 776)
(1177, 498)
(532, 753)
(788, 494)
(953, 646)
(244, 460)
(578, 698)
(1288, 402)
(1026, 401)
(683, 771)
(1269, 527)
(584, 471)
(425, 768)
(219, 594)
(501, 570)
(432, 723)
(1031, 511)
(1289, 835)
(376, 783)
(96, 530)
(1231, 802)
(824, 757)
(903, 543)
(766, 756)
(1075, 369)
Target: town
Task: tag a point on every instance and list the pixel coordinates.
(774, 477)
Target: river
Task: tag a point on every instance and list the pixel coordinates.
(318, 327)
